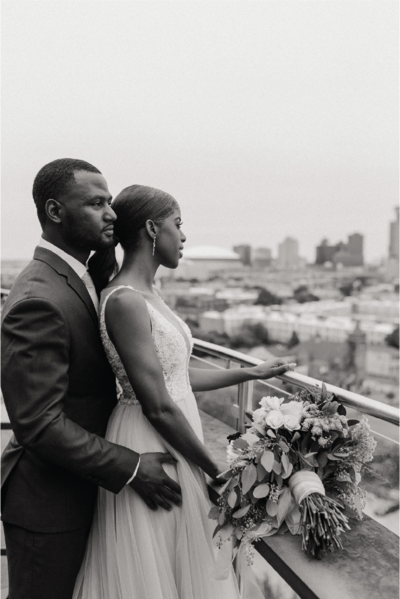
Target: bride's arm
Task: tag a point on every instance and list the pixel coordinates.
(128, 326)
(207, 380)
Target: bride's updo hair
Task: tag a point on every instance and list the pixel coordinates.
(133, 206)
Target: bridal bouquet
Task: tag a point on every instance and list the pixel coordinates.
(296, 468)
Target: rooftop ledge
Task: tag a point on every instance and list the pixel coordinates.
(366, 568)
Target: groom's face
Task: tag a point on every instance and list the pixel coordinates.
(88, 218)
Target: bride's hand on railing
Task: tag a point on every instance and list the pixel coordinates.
(272, 368)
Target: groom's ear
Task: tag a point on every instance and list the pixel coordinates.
(53, 209)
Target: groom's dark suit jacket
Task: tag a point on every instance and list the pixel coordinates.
(59, 392)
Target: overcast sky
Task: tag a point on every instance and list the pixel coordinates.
(263, 119)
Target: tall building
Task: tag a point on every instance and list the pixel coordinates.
(394, 237)
(348, 254)
(352, 253)
(393, 261)
(245, 253)
(262, 257)
(326, 252)
(288, 253)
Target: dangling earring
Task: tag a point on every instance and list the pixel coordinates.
(154, 245)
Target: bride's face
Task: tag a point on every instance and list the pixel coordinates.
(170, 240)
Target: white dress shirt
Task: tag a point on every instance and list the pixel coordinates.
(83, 273)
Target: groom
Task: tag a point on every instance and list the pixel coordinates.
(59, 392)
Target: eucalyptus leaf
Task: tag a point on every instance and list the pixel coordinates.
(233, 482)
(261, 491)
(261, 472)
(272, 508)
(250, 438)
(277, 467)
(260, 428)
(221, 518)
(287, 472)
(322, 459)
(232, 497)
(213, 513)
(267, 460)
(240, 443)
(242, 512)
(285, 504)
(238, 532)
(283, 445)
(249, 477)
(285, 461)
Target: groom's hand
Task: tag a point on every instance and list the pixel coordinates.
(153, 484)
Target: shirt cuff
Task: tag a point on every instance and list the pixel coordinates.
(134, 474)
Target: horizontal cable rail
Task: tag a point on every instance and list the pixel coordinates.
(353, 400)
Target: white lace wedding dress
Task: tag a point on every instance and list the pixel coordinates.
(134, 552)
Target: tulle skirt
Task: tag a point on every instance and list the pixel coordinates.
(137, 553)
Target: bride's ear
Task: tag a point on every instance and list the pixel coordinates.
(150, 228)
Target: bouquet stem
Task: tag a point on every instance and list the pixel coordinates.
(321, 524)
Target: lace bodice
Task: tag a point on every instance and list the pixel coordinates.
(171, 348)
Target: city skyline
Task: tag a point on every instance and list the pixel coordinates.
(265, 120)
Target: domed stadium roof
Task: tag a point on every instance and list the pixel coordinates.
(209, 252)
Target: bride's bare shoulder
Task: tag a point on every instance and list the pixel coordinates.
(124, 298)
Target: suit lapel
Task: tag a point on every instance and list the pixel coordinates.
(63, 269)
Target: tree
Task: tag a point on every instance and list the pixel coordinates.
(294, 340)
(212, 337)
(266, 298)
(302, 295)
(393, 338)
(250, 336)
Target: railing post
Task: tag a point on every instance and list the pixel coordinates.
(245, 401)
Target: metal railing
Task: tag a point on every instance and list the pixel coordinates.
(358, 402)
(368, 565)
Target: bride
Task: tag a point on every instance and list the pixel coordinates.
(136, 551)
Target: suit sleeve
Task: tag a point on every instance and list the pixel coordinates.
(35, 360)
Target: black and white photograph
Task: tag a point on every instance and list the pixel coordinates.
(200, 299)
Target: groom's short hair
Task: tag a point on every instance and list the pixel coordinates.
(53, 179)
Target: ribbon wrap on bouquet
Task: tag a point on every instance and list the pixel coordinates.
(303, 483)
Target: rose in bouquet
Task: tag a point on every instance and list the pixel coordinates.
(297, 468)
